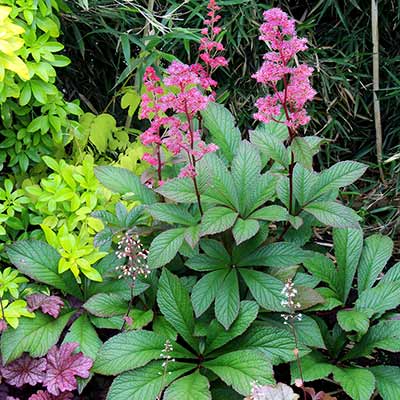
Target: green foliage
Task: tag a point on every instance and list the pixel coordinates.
(36, 118)
(205, 321)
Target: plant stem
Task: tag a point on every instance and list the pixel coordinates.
(192, 159)
(196, 189)
(296, 353)
(159, 167)
(291, 168)
(129, 305)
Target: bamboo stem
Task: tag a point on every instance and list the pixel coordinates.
(375, 72)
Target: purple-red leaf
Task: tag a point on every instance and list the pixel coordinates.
(63, 366)
(48, 304)
(44, 395)
(24, 370)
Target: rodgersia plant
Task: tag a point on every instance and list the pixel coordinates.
(220, 253)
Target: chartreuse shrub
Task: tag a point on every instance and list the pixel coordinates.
(36, 120)
(35, 116)
(215, 277)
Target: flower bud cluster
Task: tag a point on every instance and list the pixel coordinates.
(130, 248)
(290, 293)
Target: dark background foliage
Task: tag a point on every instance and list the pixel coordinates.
(111, 42)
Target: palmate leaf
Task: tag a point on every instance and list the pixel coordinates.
(313, 366)
(106, 305)
(181, 190)
(348, 245)
(376, 253)
(165, 246)
(322, 268)
(302, 151)
(265, 289)
(227, 300)
(339, 175)
(146, 382)
(222, 189)
(246, 167)
(333, 214)
(276, 343)
(271, 213)
(191, 387)
(83, 333)
(244, 229)
(392, 275)
(123, 181)
(380, 298)
(240, 369)
(353, 320)
(217, 335)
(263, 190)
(221, 125)
(303, 183)
(174, 302)
(215, 257)
(385, 335)
(308, 332)
(271, 145)
(172, 213)
(387, 381)
(205, 290)
(358, 383)
(280, 254)
(33, 335)
(217, 219)
(39, 261)
(130, 350)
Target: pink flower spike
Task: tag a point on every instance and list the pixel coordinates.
(24, 370)
(187, 172)
(279, 32)
(48, 304)
(150, 159)
(63, 366)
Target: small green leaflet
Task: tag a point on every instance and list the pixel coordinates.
(240, 369)
(376, 253)
(244, 229)
(333, 214)
(190, 387)
(165, 246)
(358, 383)
(217, 219)
(123, 181)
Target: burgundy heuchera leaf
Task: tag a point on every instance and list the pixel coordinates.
(63, 366)
(24, 370)
(44, 395)
(48, 304)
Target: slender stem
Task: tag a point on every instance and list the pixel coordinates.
(291, 167)
(192, 159)
(129, 305)
(159, 167)
(196, 189)
(296, 353)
